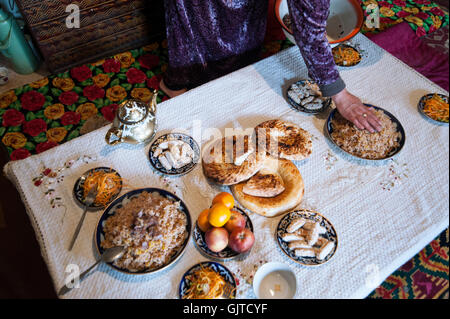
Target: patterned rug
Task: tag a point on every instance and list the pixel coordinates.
(424, 16)
(57, 109)
(61, 107)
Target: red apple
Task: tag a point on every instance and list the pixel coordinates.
(241, 240)
(216, 239)
(236, 221)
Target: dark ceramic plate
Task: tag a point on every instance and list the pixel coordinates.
(123, 200)
(223, 271)
(344, 46)
(227, 253)
(421, 106)
(313, 216)
(170, 137)
(78, 190)
(301, 108)
(400, 129)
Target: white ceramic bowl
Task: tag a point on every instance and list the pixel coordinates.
(275, 280)
(344, 22)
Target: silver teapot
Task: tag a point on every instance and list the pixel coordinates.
(134, 123)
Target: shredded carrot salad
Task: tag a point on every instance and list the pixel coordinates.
(205, 283)
(107, 183)
(436, 108)
(346, 56)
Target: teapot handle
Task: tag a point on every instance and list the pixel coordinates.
(153, 101)
(117, 132)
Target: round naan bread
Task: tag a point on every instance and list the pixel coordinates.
(285, 201)
(284, 140)
(231, 160)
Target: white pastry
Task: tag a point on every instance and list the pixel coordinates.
(175, 150)
(291, 237)
(325, 250)
(298, 244)
(164, 162)
(312, 237)
(158, 152)
(304, 252)
(295, 225)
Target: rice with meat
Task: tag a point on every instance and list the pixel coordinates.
(362, 143)
(151, 227)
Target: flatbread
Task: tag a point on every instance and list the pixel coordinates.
(219, 158)
(264, 184)
(284, 202)
(284, 140)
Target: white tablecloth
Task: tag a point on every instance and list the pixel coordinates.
(384, 214)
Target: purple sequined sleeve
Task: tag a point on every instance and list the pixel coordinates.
(309, 20)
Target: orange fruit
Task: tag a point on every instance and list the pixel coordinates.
(203, 222)
(224, 198)
(219, 214)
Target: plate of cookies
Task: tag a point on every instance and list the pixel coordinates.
(305, 96)
(307, 237)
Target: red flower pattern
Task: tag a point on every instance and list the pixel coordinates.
(93, 92)
(153, 82)
(437, 11)
(109, 112)
(81, 73)
(19, 154)
(111, 66)
(403, 14)
(13, 117)
(70, 118)
(35, 127)
(68, 98)
(42, 147)
(385, 4)
(422, 15)
(32, 101)
(135, 76)
(420, 32)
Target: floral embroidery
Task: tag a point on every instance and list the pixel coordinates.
(49, 178)
(244, 280)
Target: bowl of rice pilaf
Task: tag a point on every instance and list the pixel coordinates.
(363, 144)
(154, 225)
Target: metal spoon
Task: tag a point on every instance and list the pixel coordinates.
(109, 256)
(90, 198)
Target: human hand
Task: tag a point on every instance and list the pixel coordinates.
(351, 108)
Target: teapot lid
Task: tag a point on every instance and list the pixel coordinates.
(132, 111)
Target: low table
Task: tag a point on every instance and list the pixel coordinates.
(383, 213)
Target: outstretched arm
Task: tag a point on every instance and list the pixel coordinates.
(309, 21)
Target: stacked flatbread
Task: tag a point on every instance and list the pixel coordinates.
(259, 169)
